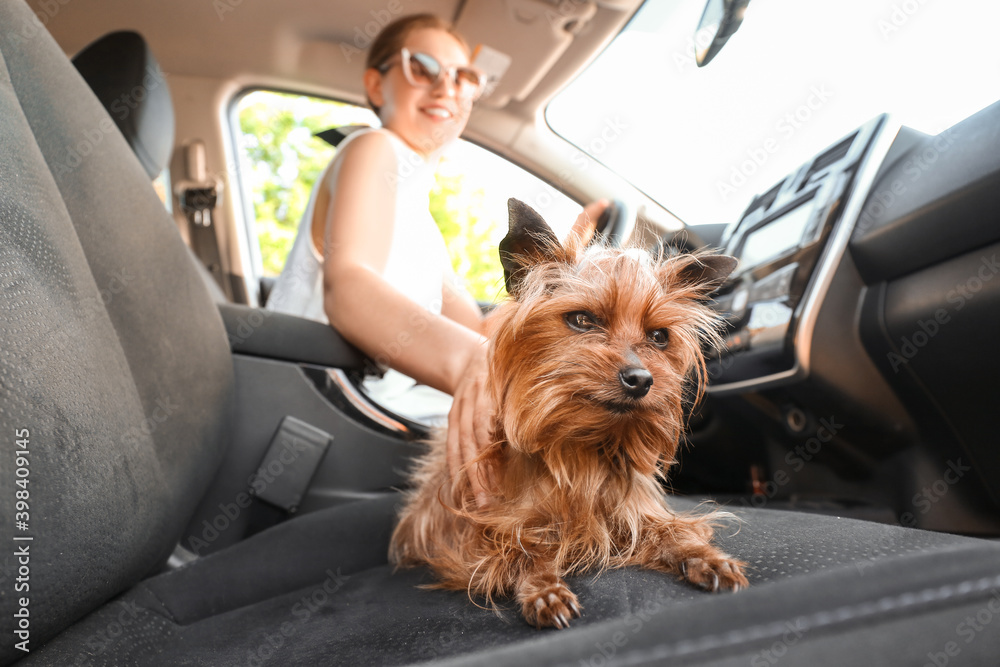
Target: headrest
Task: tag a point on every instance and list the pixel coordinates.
(126, 78)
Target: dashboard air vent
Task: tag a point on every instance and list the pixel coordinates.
(826, 159)
(764, 201)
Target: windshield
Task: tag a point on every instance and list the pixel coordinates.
(796, 77)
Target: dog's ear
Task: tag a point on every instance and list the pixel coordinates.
(706, 273)
(529, 241)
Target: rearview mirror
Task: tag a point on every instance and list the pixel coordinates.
(720, 20)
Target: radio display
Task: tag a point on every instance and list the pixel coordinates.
(775, 237)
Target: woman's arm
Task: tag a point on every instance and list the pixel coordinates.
(384, 323)
(360, 304)
(459, 306)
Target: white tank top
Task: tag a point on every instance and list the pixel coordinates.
(417, 266)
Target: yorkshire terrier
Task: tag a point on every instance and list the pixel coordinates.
(591, 362)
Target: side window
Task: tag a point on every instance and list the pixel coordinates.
(469, 204)
(162, 186)
(282, 159)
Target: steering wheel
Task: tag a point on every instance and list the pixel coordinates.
(615, 224)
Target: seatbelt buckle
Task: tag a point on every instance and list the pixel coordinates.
(290, 463)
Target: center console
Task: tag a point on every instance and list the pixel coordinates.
(788, 243)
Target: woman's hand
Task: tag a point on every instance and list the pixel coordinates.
(470, 426)
(586, 223)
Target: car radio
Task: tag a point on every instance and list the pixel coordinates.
(786, 247)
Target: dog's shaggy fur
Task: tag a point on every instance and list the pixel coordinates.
(590, 365)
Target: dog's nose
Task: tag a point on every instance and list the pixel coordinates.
(636, 381)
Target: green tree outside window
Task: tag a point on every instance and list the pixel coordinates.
(283, 160)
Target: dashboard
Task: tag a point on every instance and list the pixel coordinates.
(868, 294)
(788, 242)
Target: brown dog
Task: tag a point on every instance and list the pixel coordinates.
(589, 365)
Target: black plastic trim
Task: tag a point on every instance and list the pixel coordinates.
(265, 333)
(938, 200)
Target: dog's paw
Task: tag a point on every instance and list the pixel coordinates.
(550, 606)
(715, 573)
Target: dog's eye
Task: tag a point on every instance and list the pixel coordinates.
(581, 320)
(659, 337)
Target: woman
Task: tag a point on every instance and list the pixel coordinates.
(369, 258)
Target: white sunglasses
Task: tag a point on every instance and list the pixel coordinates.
(424, 71)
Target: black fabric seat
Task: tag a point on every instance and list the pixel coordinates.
(317, 591)
(115, 367)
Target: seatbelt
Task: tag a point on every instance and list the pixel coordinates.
(198, 196)
(289, 464)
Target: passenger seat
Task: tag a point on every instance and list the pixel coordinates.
(117, 398)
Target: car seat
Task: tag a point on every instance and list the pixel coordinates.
(118, 404)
